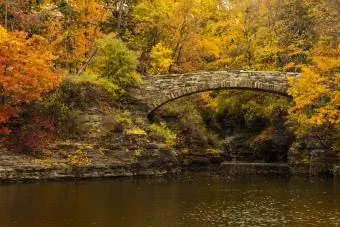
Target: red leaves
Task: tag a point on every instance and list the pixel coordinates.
(34, 135)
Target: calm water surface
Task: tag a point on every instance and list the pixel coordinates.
(195, 199)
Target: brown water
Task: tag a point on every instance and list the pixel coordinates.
(195, 199)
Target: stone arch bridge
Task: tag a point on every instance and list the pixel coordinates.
(156, 90)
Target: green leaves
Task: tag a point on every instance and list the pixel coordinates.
(116, 63)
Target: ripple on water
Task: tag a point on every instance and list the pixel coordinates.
(267, 210)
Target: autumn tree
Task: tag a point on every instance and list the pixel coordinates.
(177, 27)
(25, 71)
(316, 94)
(72, 27)
(295, 29)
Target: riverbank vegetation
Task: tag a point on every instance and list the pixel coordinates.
(59, 57)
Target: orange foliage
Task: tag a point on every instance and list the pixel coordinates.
(25, 71)
(73, 33)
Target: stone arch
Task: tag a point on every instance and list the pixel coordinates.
(157, 90)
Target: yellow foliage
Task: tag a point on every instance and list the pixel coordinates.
(327, 64)
(135, 131)
(208, 100)
(317, 97)
(186, 42)
(161, 59)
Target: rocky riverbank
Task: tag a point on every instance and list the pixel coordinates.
(85, 164)
(158, 160)
(83, 161)
(100, 154)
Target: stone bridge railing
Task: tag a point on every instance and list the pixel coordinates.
(157, 90)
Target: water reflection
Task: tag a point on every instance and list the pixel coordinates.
(195, 199)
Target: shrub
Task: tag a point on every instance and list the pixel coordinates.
(32, 134)
(161, 133)
(68, 119)
(116, 63)
(89, 77)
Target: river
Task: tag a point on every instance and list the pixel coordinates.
(191, 199)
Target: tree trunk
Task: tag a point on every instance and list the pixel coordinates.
(88, 61)
(120, 17)
(6, 13)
